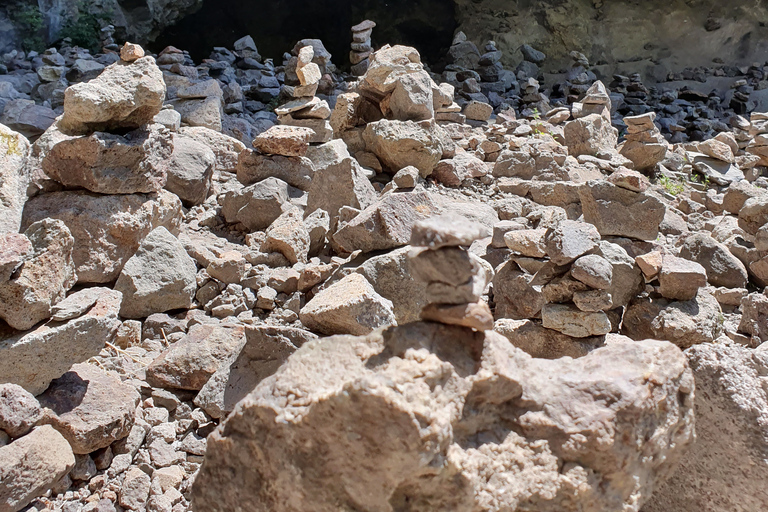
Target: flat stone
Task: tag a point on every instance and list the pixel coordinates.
(569, 320)
(284, 140)
(680, 279)
(448, 230)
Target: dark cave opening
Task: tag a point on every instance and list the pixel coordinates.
(276, 25)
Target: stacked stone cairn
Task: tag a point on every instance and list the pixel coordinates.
(644, 145)
(596, 101)
(758, 129)
(307, 110)
(361, 47)
(455, 278)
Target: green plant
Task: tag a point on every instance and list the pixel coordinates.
(704, 180)
(29, 23)
(673, 187)
(84, 29)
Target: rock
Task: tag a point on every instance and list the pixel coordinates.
(284, 140)
(684, 323)
(594, 271)
(107, 229)
(452, 275)
(515, 294)
(754, 214)
(407, 177)
(387, 223)
(754, 316)
(205, 112)
(527, 242)
(226, 149)
(124, 96)
(228, 268)
(19, 410)
(630, 180)
(476, 315)
(131, 52)
(361, 396)
(730, 404)
(159, 277)
(722, 267)
(190, 170)
(616, 211)
(399, 144)
(191, 361)
(134, 492)
(449, 230)
(14, 149)
(90, 407)
(543, 343)
(569, 240)
(680, 279)
(478, 111)
(350, 306)
(571, 321)
(43, 278)
(717, 150)
(590, 135)
(33, 359)
(266, 348)
(296, 171)
(31, 466)
(532, 55)
(112, 164)
(412, 98)
(258, 206)
(288, 235)
(338, 181)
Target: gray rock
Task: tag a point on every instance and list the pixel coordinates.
(31, 466)
(569, 240)
(19, 410)
(754, 316)
(349, 406)
(90, 407)
(107, 229)
(266, 348)
(616, 211)
(722, 267)
(253, 167)
(159, 277)
(594, 271)
(258, 206)
(134, 492)
(571, 321)
(590, 135)
(33, 359)
(14, 149)
(399, 144)
(76, 304)
(680, 279)
(190, 170)
(544, 343)
(448, 230)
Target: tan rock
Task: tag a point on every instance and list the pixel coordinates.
(475, 315)
(284, 140)
(131, 52)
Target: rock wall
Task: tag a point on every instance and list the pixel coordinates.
(650, 37)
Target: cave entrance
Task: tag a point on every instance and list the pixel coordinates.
(276, 25)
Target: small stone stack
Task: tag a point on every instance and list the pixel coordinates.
(361, 47)
(490, 67)
(533, 98)
(307, 110)
(456, 279)
(578, 78)
(759, 131)
(596, 101)
(463, 53)
(645, 145)
(532, 58)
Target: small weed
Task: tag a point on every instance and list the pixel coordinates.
(704, 180)
(673, 187)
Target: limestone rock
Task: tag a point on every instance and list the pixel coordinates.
(266, 348)
(288, 235)
(190, 170)
(387, 223)
(754, 316)
(159, 277)
(569, 240)
(253, 167)
(112, 164)
(350, 306)
(589, 135)
(680, 279)
(730, 404)
(617, 211)
(540, 342)
(191, 361)
(226, 149)
(258, 206)
(32, 465)
(449, 230)
(90, 407)
(125, 95)
(43, 278)
(571, 321)
(594, 271)
(33, 359)
(399, 144)
(283, 140)
(107, 229)
(364, 421)
(722, 267)
(19, 410)
(14, 149)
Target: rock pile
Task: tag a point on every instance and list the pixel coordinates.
(644, 145)
(361, 47)
(306, 110)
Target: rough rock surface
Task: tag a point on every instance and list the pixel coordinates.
(14, 149)
(413, 417)
(731, 404)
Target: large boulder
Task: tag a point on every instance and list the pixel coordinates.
(158, 278)
(723, 268)
(399, 144)
(90, 407)
(590, 135)
(126, 95)
(32, 465)
(190, 170)
(417, 418)
(107, 229)
(616, 211)
(266, 348)
(14, 149)
(42, 279)
(33, 359)
(726, 468)
(112, 164)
